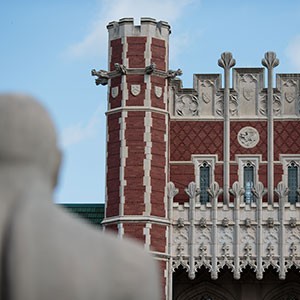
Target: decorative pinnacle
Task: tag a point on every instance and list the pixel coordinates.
(270, 61)
(226, 61)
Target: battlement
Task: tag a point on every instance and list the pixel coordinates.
(148, 27)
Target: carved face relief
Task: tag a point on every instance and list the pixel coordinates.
(290, 90)
(248, 137)
(135, 89)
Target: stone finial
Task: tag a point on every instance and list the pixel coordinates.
(192, 191)
(214, 190)
(226, 61)
(281, 190)
(270, 61)
(259, 190)
(172, 190)
(237, 190)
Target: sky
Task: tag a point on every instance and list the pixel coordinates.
(48, 48)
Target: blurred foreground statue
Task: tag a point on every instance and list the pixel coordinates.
(45, 252)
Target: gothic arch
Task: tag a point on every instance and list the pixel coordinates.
(205, 291)
(287, 291)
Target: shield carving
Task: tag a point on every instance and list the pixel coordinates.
(248, 93)
(158, 91)
(290, 94)
(135, 89)
(115, 91)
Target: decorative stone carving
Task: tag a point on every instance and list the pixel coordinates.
(293, 222)
(248, 86)
(186, 106)
(247, 222)
(135, 89)
(150, 69)
(225, 222)
(202, 222)
(158, 91)
(207, 88)
(114, 91)
(270, 222)
(233, 104)
(180, 223)
(226, 61)
(171, 74)
(248, 137)
(277, 106)
(102, 75)
(270, 61)
(289, 88)
(121, 69)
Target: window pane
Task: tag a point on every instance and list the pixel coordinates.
(248, 182)
(293, 183)
(204, 183)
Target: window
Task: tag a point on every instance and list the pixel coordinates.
(248, 182)
(291, 175)
(204, 182)
(293, 181)
(248, 174)
(204, 174)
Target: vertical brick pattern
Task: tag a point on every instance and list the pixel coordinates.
(134, 169)
(158, 50)
(136, 51)
(116, 53)
(158, 238)
(135, 231)
(158, 162)
(113, 165)
(162, 268)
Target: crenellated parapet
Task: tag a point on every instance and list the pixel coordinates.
(247, 97)
(237, 234)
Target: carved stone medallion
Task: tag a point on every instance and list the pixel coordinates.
(186, 105)
(115, 91)
(158, 91)
(248, 137)
(135, 89)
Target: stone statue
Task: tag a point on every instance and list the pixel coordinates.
(47, 253)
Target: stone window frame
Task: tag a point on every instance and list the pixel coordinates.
(198, 161)
(286, 160)
(243, 160)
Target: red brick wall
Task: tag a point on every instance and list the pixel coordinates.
(195, 137)
(158, 162)
(113, 165)
(135, 231)
(139, 99)
(158, 238)
(116, 53)
(115, 102)
(162, 268)
(159, 82)
(134, 172)
(181, 176)
(158, 49)
(286, 138)
(136, 51)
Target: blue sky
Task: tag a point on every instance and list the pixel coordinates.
(49, 47)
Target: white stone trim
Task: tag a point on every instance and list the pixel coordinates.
(146, 232)
(136, 108)
(136, 218)
(120, 230)
(123, 157)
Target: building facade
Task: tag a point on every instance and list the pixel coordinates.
(207, 178)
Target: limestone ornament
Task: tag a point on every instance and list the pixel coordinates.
(186, 106)
(248, 137)
(158, 91)
(135, 89)
(114, 91)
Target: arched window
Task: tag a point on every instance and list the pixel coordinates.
(293, 180)
(248, 182)
(205, 171)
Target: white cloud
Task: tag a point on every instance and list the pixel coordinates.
(79, 132)
(112, 10)
(293, 51)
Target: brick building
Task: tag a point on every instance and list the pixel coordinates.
(206, 177)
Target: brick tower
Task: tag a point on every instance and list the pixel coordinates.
(137, 134)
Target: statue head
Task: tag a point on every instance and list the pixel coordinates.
(27, 136)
